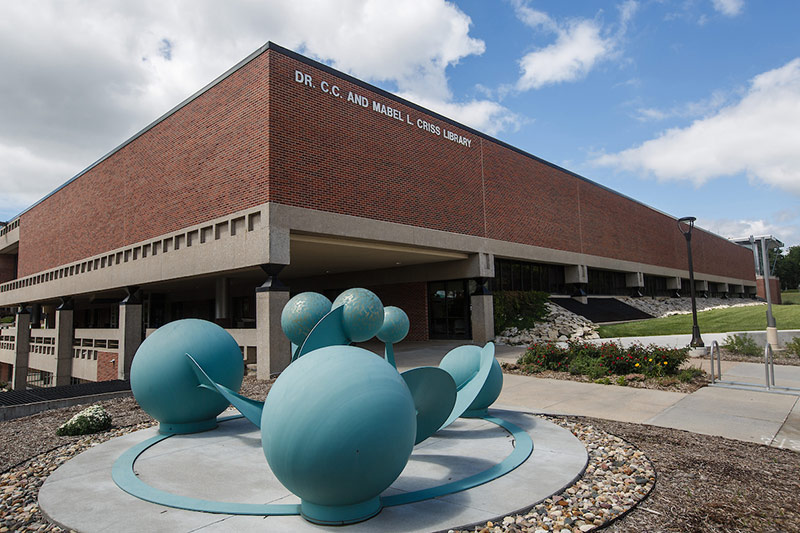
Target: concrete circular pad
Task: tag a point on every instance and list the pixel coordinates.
(227, 464)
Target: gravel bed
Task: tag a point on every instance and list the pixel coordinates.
(617, 477)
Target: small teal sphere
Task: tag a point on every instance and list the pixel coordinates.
(395, 325)
(363, 313)
(301, 314)
(165, 385)
(338, 426)
(464, 362)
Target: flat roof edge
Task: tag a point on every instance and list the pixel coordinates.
(332, 71)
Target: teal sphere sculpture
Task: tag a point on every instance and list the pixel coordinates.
(363, 313)
(165, 385)
(395, 325)
(301, 314)
(338, 427)
(462, 363)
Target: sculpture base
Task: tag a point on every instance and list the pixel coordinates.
(339, 515)
(189, 427)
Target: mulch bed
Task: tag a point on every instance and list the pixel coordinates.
(703, 483)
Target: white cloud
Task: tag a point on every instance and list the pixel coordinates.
(483, 115)
(700, 108)
(84, 76)
(789, 234)
(580, 45)
(758, 136)
(729, 8)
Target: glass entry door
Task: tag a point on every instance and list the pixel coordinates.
(448, 309)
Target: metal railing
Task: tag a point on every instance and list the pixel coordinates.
(769, 374)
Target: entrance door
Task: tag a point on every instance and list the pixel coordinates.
(448, 305)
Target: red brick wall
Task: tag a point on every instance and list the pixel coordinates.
(216, 156)
(8, 267)
(775, 289)
(206, 160)
(106, 370)
(411, 298)
(334, 155)
(5, 372)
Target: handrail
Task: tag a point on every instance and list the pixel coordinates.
(715, 347)
(769, 366)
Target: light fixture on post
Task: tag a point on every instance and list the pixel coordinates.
(688, 222)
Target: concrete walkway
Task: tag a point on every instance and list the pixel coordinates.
(751, 416)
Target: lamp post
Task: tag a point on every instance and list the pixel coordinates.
(697, 342)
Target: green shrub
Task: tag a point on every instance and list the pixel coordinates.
(519, 309)
(603, 381)
(596, 361)
(688, 374)
(7, 319)
(548, 356)
(742, 344)
(621, 381)
(587, 366)
(91, 420)
(793, 346)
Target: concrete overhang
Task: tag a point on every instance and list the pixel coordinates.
(316, 255)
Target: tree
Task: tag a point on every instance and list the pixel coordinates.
(787, 268)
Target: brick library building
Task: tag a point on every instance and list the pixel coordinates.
(284, 175)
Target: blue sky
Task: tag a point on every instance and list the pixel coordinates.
(689, 106)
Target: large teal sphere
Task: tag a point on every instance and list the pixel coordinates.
(363, 313)
(395, 325)
(165, 384)
(338, 427)
(301, 314)
(463, 363)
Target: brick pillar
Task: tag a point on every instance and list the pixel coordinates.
(482, 312)
(64, 338)
(22, 345)
(131, 332)
(274, 351)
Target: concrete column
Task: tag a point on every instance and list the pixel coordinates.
(274, 351)
(674, 285)
(481, 303)
(22, 346)
(701, 288)
(64, 337)
(577, 277)
(482, 318)
(723, 288)
(222, 302)
(635, 282)
(131, 335)
(36, 316)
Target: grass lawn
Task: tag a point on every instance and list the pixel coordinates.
(791, 297)
(715, 321)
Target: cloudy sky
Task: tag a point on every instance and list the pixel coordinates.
(690, 106)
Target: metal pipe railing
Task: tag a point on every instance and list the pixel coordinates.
(769, 366)
(715, 348)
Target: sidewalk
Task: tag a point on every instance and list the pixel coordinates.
(759, 417)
